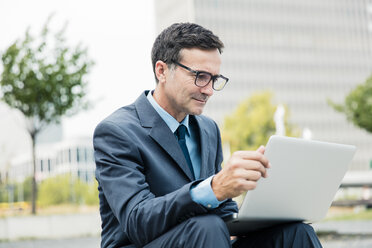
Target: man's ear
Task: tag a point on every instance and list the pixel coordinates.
(160, 71)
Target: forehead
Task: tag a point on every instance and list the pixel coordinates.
(200, 59)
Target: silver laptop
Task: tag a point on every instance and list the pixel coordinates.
(302, 182)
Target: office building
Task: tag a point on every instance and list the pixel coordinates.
(305, 52)
(74, 157)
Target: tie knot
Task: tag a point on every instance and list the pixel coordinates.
(181, 131)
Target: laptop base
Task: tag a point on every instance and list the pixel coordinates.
(238, 227)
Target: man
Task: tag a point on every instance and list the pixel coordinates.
(159, 160)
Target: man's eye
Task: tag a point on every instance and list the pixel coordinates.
(204, 77)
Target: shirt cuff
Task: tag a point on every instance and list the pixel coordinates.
(203, 194)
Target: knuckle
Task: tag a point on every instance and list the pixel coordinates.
(234, 164)
(240, 185)
(260, 156)
(257, 175)
(235, 174)
(253, 185)
(256, 166)
(237, 153)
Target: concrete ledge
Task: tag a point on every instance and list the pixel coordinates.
(53, 226)
(363, 227)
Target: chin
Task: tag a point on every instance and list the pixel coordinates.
(196, 112)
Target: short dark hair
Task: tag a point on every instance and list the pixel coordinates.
(170, 41)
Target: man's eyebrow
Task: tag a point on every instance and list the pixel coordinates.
(206, 72)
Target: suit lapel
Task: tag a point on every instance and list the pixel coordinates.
(166, 139)
(160, 132)
(204, 147)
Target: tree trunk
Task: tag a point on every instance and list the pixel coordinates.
(34, 186)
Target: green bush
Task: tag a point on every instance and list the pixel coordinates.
(27, 187)
(54, 191)
(3, 193)
(91, 195)
(67, 189)
(24, 187)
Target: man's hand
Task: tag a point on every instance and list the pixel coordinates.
(240, 174)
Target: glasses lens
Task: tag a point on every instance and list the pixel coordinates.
(202, 79)
(219, 83)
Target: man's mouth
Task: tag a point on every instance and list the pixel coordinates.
(202, 100)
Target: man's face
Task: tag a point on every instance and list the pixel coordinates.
(181, 95)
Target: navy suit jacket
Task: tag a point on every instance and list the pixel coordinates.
(144, 180)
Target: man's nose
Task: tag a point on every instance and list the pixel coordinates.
(208, 89)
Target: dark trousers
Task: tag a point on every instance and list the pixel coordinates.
(210, 231)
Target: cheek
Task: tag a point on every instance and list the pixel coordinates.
(185, 88)
(182, 88)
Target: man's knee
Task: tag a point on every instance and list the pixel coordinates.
(302, 234)
(208, 228)
(207, 231)
(299, 228)
(208, 223)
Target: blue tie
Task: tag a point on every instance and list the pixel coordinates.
(180, 132)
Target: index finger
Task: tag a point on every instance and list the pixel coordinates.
(255, 155)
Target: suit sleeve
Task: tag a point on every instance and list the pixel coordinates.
(227, 207)
(120, 173)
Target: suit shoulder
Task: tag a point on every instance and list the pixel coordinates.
(122, 117)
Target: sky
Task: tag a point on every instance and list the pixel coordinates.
(119, 36)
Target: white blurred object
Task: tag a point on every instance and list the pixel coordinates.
(226, 151)
(307, 134)
(279, 120)
(366, 193)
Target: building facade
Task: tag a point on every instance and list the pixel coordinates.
(74, 157)
(305, 52)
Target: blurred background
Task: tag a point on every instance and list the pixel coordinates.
(298, 68)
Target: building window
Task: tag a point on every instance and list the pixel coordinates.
(85, 155)
(49, 165)
(78, 154)
(69, 155)
(87, 177)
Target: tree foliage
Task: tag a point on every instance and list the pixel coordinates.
(252, 123)
(44, 79)
(358, 105)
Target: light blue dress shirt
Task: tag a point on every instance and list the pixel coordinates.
(201, 193)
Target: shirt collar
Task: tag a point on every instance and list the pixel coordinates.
(171, 122)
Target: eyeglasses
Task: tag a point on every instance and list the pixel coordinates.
(203, 78)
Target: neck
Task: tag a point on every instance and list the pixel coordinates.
(163, 102)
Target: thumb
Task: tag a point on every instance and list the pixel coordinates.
(261, 149)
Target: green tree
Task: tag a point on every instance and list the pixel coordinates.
(358, 105)
(252, 123)
(44, 79)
